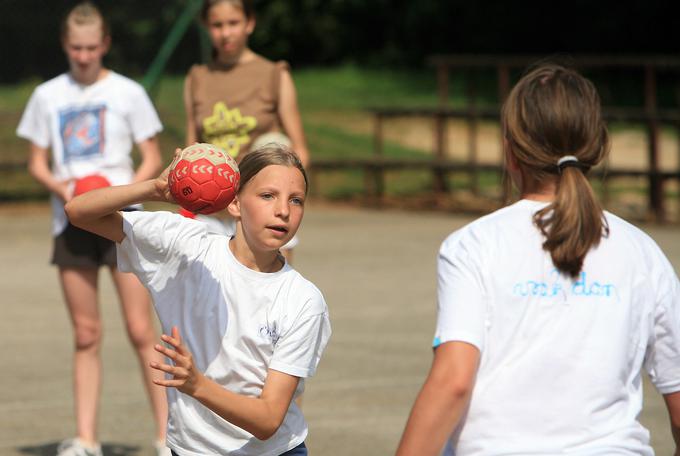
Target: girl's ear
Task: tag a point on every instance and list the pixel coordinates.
(106, 44)
(250, 25)
(234, 208)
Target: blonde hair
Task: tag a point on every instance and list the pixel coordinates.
(551, 113)
(84, 13)
(269, 154)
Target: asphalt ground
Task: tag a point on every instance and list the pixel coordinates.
(377, 271)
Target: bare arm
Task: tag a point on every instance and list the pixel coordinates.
(97, 210)
(191, 134)
(151, 160)
(442, 400)
(290, 117)
(39, 169)
(673, 405)
(261, 416)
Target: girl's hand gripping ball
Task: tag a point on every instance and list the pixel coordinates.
(203, 178)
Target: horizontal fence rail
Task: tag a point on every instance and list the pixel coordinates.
(650, 117)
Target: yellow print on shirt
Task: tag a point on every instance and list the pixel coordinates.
(227, 128)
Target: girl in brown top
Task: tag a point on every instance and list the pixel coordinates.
(240, 100)
(240, 96)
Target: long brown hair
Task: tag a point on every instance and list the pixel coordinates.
(551, 113)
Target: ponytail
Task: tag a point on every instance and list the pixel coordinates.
(554, 128)
(573, 223)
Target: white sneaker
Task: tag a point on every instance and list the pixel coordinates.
(161, 449)
(75, 447)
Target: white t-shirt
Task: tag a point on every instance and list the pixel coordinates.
(238, 323)
(561, 360)
(90, 129)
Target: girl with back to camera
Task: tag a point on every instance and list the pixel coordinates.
(240, 100)
(549, 309)
(245, 328)
(90, 117)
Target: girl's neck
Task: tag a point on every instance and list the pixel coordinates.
(245, 56)
(267, 261)
(87, 80)
(538, 196)
(539, 191)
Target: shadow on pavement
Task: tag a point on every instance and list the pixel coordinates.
(109, 449)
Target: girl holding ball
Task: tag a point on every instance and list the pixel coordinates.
(243, 328)
(551, 308)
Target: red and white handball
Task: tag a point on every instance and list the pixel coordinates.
(203, 178)
(88, 183)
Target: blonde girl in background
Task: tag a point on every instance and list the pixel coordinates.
(89, 118)
(244, 329)
(551, 308)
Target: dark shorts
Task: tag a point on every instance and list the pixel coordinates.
(300, 450)
(77, 248)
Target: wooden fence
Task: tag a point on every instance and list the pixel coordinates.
(650, 116)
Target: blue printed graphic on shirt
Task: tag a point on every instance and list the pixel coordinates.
(82, 132)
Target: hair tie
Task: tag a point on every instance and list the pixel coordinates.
(570, 161)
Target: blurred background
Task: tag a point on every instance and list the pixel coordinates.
(378, 108)
(400, 103)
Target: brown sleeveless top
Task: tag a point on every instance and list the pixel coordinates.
(233, 106)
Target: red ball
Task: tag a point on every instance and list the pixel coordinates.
(87, 183)
(203, 178)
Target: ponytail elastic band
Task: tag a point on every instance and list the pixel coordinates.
(570, 161)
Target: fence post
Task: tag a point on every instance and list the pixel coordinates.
(472, 131)
(443, 84)
(439, 184)
(503, 73)
(373, 174)
(656, 197)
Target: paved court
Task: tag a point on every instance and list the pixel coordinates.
(377, 270)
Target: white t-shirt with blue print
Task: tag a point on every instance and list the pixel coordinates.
(90, 129)
(561, 359)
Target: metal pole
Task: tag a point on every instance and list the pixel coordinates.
(153, 74)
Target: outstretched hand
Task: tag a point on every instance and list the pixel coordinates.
(161, 182)
(185, 376)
